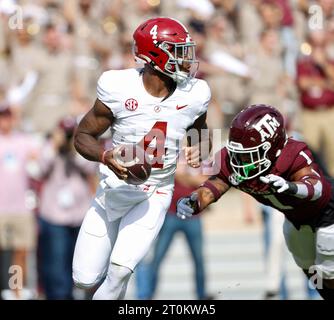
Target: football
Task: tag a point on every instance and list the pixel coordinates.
(135, 160)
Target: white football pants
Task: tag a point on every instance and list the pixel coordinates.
(102, 244)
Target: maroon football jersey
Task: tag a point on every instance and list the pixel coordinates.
(295, 156)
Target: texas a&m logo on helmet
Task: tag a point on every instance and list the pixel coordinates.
(267, 127)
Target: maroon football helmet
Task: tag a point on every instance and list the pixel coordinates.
(256, 138)
(166, 45)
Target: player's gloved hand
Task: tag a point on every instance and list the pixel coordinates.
(187, 206)
(109, 159)
(278, 183)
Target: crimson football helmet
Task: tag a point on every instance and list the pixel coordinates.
(166, 45)
(257, 136)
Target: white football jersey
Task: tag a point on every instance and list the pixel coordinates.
(137, 114)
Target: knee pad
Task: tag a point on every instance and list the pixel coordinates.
(115, 284)
(118, 276)
(325, 251)
(119, 272)
(84, 280)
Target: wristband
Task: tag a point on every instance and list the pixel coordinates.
(216, 193)
(103, 160)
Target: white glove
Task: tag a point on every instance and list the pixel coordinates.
(187, 207)
(277, 182)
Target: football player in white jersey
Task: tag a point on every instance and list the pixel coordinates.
(159, 103)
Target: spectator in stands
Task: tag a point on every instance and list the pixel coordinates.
(288, 33)
(4, 52)
(90, 47)
(17, 222)
(221, 45)
(26, 56)
(249, 16)
(68, 183)
(267, 83)
(315, 78)
(55, 85)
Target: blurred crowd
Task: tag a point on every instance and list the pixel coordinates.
(277, 52)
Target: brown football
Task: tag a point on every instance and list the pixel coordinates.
(135, 160)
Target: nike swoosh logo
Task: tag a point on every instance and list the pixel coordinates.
(181, 107)
(159, 192)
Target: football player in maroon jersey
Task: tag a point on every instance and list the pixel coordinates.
(261, 160)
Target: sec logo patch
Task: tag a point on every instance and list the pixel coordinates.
(131, 104)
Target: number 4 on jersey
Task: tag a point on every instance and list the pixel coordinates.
(158, 132)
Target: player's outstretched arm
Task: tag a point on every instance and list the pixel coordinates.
(304, 184)
(91, 127)
(208, 192)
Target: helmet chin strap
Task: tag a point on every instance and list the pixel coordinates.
(180, 77)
